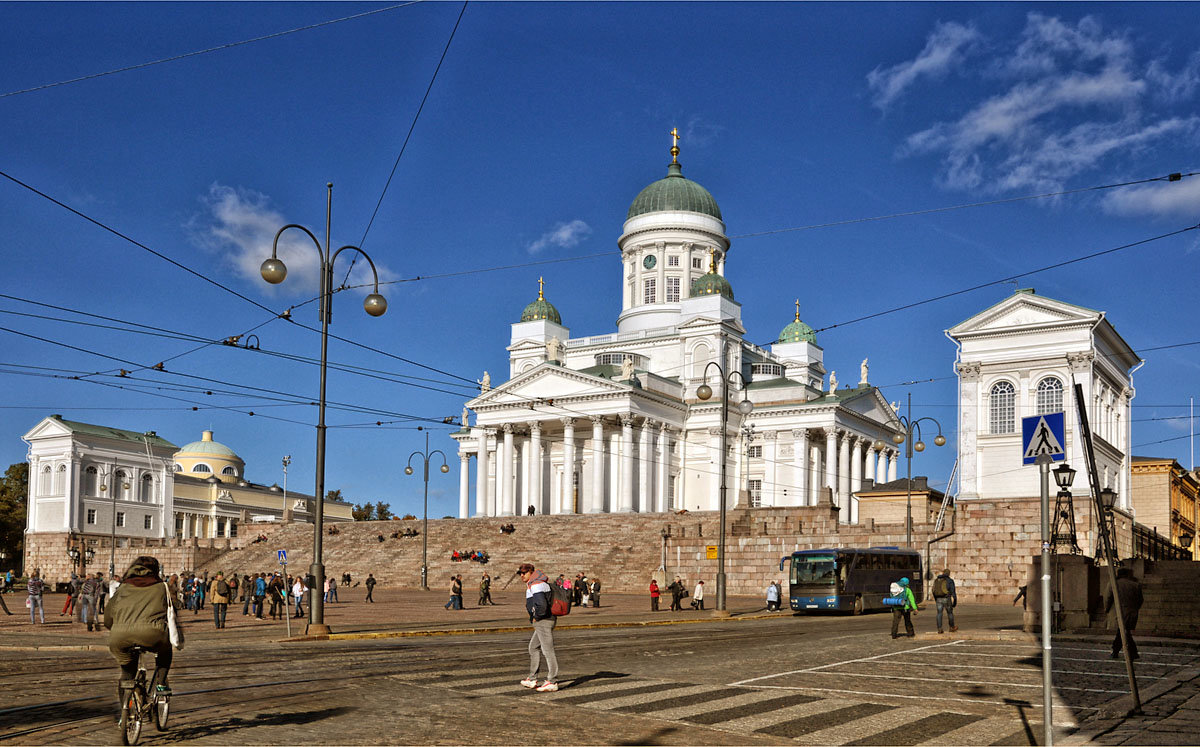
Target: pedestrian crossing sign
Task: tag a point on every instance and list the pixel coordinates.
(1043, 434)
(282, 557)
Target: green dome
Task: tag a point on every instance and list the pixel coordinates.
(797, 331)
(208, 447)
(674, 193)
(711, 284)
(541, 309)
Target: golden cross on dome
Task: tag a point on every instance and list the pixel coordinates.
(712, 261)
(541, 284)
(797, 309)
(674, 145)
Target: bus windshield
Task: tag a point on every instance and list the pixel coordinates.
(816, 572)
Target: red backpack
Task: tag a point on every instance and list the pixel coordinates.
(560, 600)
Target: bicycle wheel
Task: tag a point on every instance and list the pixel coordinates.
(162, 707)
(131, 718)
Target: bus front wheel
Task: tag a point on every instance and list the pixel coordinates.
(858, 605)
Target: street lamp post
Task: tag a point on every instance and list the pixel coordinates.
(908, 425)
(408, 470)
(283, 517)
(274, 271)
(112, 538)
(704, 392)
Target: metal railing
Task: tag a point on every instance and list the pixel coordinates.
(1150, 545)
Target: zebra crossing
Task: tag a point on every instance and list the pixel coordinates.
(804, 717)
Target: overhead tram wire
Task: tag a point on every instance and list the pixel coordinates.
(209, 50)
(404, 146)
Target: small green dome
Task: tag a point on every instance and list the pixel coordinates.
(797, 331)
(541, 308)
(711, 284)
(206, 446)
(674, 192)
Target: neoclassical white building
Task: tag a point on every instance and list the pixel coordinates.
(1022, 357)
(612, 422)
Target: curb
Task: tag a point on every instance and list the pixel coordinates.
(513, 629)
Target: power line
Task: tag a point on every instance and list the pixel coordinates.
(209, 50)
(404, 145)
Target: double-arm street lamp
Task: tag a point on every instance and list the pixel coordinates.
(408, 470)
(80, 557)
(704, 392)
(274, 271)
(112, 539)
(910, 426)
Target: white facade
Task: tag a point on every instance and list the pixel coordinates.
(612, 422)
(1022, 357)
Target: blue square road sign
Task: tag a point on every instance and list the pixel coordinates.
(1043, 434)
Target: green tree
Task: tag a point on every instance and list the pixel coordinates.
(333, 495)
(363, 512)
(14, 498)
(383, 512)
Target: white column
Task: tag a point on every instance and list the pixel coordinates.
(536, 465)
(595, 502)
(892, 459)
(831, 457)
(814, 473)
(521, 488)
(567, 494)
(664, 465)
(464, 487)
(625, 498)
(856, 464)
(715, 478)
(645, 468)
(738, 483)
(770, 475)
(504, 473)
(843, 498)
(871, 457)
(800, 478)
(881, 474)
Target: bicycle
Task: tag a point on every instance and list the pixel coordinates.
(139, 702)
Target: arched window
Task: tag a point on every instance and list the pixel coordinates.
(120, 483)
(178, 467)
(44, 480)
(1002, 407)
(229, 471)
(91, 481)
(146, 492)
(1049, 395)
(60, 480)
(201, 468)
(701, 355)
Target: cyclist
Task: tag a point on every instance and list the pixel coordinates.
(137, 616)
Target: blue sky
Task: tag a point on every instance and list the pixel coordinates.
(543, 124)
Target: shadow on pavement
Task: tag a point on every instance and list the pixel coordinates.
(228, 725)
(653, 737)
(1021, 706)
(597, 676)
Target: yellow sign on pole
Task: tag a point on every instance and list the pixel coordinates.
(711, 552)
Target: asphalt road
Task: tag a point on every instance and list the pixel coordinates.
(812, 680)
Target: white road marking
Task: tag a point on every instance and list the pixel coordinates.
(1037, 652)
(839, 663)
(961, 682)
(1010, 669)
(873, 694)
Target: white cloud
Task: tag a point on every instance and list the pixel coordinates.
(1168, 199)
(563, 235)
(947, 45)
(1060, 100)
(700, 132)
(240, 224)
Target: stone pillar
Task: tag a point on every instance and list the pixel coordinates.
(856, 464)
(664, 467)
(567, 494)
(625, 496)
(714, 435)
(464, 487)
(892, 459)
(595, 503)
(831, 459)
(800, 468)
(536, 465)
(645, 467)
(814, 474)
(738, 483)
(843, 497)
(872, 456)
(504, 474)
(521, 489)
(770, 469)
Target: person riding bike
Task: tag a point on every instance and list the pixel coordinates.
(137, 616)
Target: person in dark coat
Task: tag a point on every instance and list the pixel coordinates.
(1129, 592)
(677, 592)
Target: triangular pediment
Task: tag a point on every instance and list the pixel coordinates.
(1024, 311)
(873, 406)
(47, 428)
(546, 381)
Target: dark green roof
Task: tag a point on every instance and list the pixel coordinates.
(674, 192)
(710, 284)
(116, 433)
(541, 309)
(797, 331)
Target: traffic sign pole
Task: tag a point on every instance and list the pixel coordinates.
(1044, 461)
(287, 607)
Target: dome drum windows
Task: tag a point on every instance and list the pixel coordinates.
(1002, 409)
(231, 471)
(673, 286)
(650, 290)
(202, 468)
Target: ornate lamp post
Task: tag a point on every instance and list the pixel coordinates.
(408, 470)
(283, 517)
(274, 271)
(112, 539)
(908, 425)
(704, 392)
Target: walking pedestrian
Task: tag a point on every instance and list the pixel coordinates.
(485, 590)
(654, 594)
(595, 592)
(260, 593)
(698, 596)
(72, 595)
(370, 583)
(247, 588)
(298, 592)
(9, 577)
(103, 593)
(677, 593)
(541, 645)
(945, 596)
(219, 596)
(34, 588)
(333, 590)
(276, 590)
(455, 602)
(89, 600)
(905, 610)
(772, 597)
(1129, 592)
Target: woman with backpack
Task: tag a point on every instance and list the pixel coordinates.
(905, 609)
(219, 596)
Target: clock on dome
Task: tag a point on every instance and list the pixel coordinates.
(649, 262)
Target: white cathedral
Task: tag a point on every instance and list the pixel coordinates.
(614, 423)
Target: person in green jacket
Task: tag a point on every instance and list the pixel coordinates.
(904, 609)
(137, 616)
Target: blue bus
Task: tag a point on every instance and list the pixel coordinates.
(849, 579)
